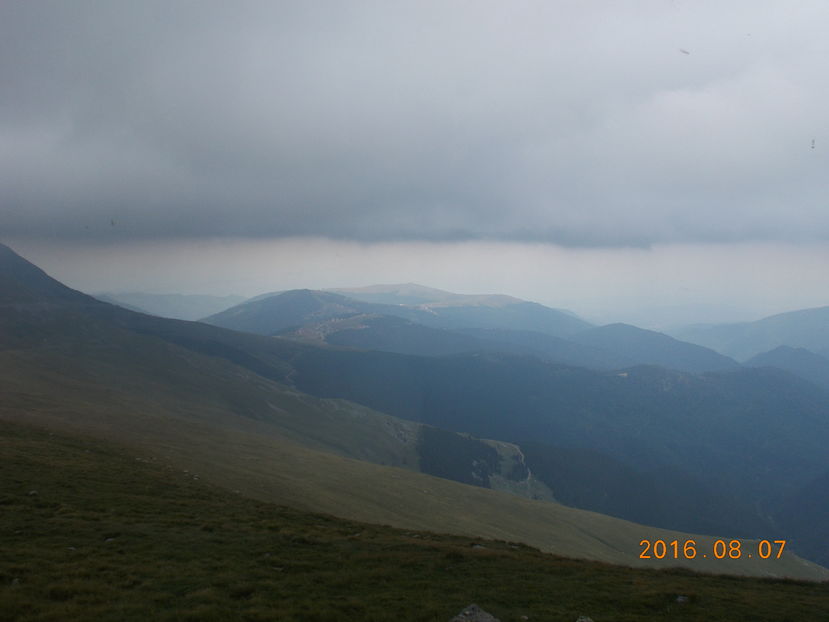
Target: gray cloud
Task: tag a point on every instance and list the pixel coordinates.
(579, 123)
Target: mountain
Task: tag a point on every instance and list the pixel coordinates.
(640, 415)
(799, 361)
(177, 306)
(587, 478)
(414, 294)
(235, 408)
(647, 347)
(806, 328)
(23, 283)
(273, 314)
(394, 334)
(206, 401)
(549, 348)
(812, 503)
(734, 442)
(82, 335)
(289, 310)
(519, 315)
(456, 324)
(389, 334)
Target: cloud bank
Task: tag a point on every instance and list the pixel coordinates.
(572, 123)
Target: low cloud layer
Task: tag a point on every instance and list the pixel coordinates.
(569, 122)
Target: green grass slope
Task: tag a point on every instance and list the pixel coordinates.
(201, 435)
(96, 531)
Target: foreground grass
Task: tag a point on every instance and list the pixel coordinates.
(93, 532)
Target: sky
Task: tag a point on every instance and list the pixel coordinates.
(625, 160)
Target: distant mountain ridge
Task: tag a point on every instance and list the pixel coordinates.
(805, 328)
(456, 324)
(419, 295)
(272, 314)
(651, 348)
(799, 361)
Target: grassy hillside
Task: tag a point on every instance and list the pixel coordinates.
(94, 531)
(211, 435)
(729, 441)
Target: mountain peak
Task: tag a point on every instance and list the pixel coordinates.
(414, 294)
(653, 348)
(23, 282)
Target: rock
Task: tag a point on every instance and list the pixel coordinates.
(473, 613)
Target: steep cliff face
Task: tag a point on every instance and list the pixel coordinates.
(486, 463)
(515, 476)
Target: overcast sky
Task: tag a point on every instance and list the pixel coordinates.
(592, 155)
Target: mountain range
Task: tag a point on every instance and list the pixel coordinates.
(456, 324)
(397, 438)
(805, 328)
(799, 361)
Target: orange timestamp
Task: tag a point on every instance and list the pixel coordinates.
(721, 549)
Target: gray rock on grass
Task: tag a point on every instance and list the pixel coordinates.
(473, 613)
